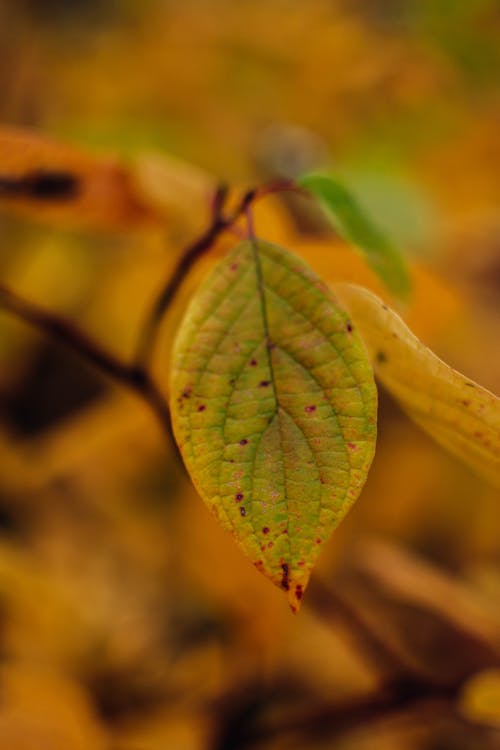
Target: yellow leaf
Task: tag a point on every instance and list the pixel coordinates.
(458, 413)
(480, 700)
(274, 408)
(44, 179)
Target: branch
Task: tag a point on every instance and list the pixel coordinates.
(134, 378)
(154, 317)
(136, 375)
(247, 719)
(327, 602)
(417, 703)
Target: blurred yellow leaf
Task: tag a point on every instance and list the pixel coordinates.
(481, 698)
(42, 709)
(459, 414)
(44, 179)
(173, 187)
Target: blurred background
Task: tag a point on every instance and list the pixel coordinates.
(128, 620)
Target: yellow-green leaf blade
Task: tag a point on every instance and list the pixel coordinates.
(458, 413)
(353, 223)
(273, 408)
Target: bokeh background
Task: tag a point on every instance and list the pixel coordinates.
(128, 620)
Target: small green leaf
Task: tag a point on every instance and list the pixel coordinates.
(458, 413)
(352, 223)
(273, 407)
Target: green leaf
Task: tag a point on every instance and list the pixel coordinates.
(352, 223)
(273, 407)
(458, 413)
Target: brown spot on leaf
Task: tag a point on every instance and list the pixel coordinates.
(349, 327)
(265, 530)
(285, 580)
(310, 409)
(264, 383)
(243, 441)
(299, 591)
(243, 512)
(381, 357)
(253, 363)
(238, 497)
(202, 407)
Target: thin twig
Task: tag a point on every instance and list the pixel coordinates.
(65, 332)
(132, 377)
(247, 720)
(168, 290)
(327, 602)
(136, 376)
(219, 201)
(415, 701)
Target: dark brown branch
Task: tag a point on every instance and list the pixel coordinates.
(333, 720)
(414, 703)
(147, 338)
(136, 376)
(132, 377)
(65, 332)
(248, 721)
(398, 700)
(328, 603)
(219, 201)
(148, 335)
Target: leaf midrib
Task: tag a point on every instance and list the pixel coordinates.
(265, 322)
